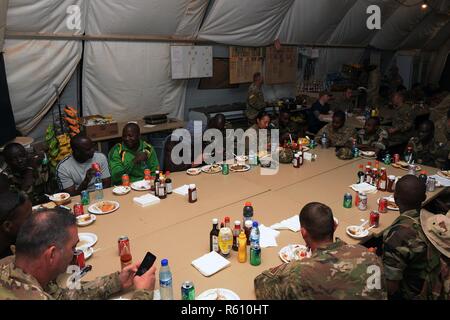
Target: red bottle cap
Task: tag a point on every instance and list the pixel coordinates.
(248, 204)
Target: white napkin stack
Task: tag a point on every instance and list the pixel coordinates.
(268, 237)
(146, 200)
(443, 181)
(364, 187)
(183, 190)
(292, 224)
(210, 263)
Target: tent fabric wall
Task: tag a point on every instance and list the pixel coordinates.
(3, 12)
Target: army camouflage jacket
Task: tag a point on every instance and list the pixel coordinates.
(341, 137)
(36, 191)
(409, 258)
(442, 131)
(255, 102)
(403, 119)
(431, 154)
(339, 271)
(291, 128)
(378, 140)
(15, 284)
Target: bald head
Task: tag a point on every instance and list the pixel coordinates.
(82, 147)
(317, 219)
(410, 192)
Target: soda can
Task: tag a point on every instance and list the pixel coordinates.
(85, 200)
(123, 240)
(187, 291)
(96, 167)
(255, 256)
(396, 158)
(348, 200)
(356, 199)
(374, 219)
(147, 175)
(383, 205)
(225, 169)
(126, 180)
(78, 259)
(78, 209)
(362, 205)
(431, 184)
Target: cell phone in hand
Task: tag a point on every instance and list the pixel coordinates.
(146, 264)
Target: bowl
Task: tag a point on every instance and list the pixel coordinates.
(60, 198)
(265, 162)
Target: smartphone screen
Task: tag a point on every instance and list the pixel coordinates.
(146, 264)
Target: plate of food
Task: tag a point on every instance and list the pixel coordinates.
(212, 169)
(240, 168)
(368, 154)
(194, 171)
(60, 198)
(104, 207)
(85, 220)
(241, 159)
(294, 252)
(50, 205)
(444, 174)
(405, 165)
(357, 232)
(121, 190)
(218, 294)
(142, 185)
(86, 240)
(391, 203)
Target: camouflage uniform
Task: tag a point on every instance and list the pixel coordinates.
(403, 120)
(339, 271)
(409, 258)
(378, 140)
(36, 191)
(442, 130)
(15, 284)
(338, 138)
(440, 111)
(432, 154)
(255, 102)
(291, 128)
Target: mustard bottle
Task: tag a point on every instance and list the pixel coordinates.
(242, 250)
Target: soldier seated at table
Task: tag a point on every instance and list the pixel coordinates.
(26, 172)
(319, 107)
(335, 270)
(15, 208)
(344, 103)
(75, 173)
(442, 129)
(403, 121)
(254, 133)
(372, 137)
(44, 250)
(288, 129)
(412, 264)
(132, 156)
(427, 150)
(337, 132)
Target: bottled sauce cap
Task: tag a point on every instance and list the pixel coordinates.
(237, 223)
(248, 204)
(215, 221)
(249, 223)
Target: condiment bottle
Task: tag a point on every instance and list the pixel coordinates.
(248, 228)
(192, 193)
(169, 187)
(214, 237)
(236, 232)
(242, 247)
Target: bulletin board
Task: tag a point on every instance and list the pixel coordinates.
(189, 62)
(281, 65)
(244, 63)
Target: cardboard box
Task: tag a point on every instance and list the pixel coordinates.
(96, 131)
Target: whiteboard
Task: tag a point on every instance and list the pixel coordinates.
(191, 62)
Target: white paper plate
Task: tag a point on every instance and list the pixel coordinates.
(368, 153)
(218, 294)
(444, 174)
(88, 252)
(291, 252)
(121, 190)
(390, 207)
(206, 169)
(88, 222)
(194, 171)
(245, 168)
(95, 208)
(60, 198)
(364, 234)
(142, 185)
(87, 240)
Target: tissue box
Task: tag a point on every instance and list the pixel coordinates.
(147, 200)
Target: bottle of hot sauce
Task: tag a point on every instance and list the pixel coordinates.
(361, 174)
(368, 175)
(382, 182)
(375, 177)
(125, 256)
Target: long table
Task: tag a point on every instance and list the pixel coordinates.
(179, 231)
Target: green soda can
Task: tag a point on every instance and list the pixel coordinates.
(348, 201)
(225, 169)
(188, 291)
(85, 200)
(255, 256)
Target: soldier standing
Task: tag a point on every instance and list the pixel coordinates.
(255, 98)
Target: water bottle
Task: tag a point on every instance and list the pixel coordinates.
(165, 281)
(255, 249)
(324, 141)
(98, 187)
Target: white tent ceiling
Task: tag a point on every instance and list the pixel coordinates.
(134, 76)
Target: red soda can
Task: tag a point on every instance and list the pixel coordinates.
(147, 175)
(356, 198)
(123, 240)
(96, 167)
(374, 219)
(78, 258)
(126, 180)
(396, 158)
(382, 205)
(78, 209)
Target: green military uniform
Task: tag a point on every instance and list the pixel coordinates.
(38, 188)
(291, 128)
(442, 130)
(15, 284)
(433, 154)
(409, 258)
(338, 271)
(121, 161)
(440, 111)
(403, 120)
(377, 140)
(255, 102)
(336, 138)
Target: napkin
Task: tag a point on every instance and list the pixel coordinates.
(183, 190)
(268, 237)
(146, 200)
(210, 263)
(292, 224)
(364, 187)
(443, 181)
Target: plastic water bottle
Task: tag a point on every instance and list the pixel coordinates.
(255, 249)
(324, 141)
(98, 187)
(165, 281)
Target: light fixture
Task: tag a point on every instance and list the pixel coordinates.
(424, 5)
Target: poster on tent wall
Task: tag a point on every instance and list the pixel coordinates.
(281, 65)
(244, 63)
